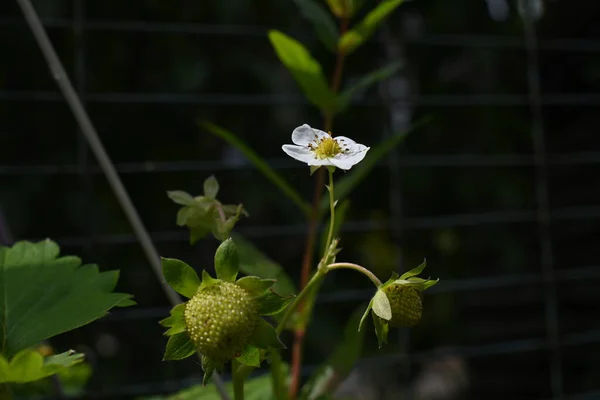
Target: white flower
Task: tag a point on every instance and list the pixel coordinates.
(318, 148)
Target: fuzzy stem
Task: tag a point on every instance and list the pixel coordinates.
(356, 267)
(238, 378)
(315, 280)
(332, 210)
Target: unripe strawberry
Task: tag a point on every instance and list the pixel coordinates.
(220, 319)
(405, 302)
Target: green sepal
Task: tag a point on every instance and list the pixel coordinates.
(313, 169)
(211, 187)
(265, 336)
(207, 280)
(175, 322)
(208, 366)
(255, 286)
(381, 330)
(381, 305)
(227, 262)
(180, 197)
(420, 283)
(415, 271)
(271, 303)
(179, 347)
(250, 356)
(180, 276)
(365, 314)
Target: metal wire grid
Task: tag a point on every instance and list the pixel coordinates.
(542, 214)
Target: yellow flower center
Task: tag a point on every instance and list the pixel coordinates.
(327, 148)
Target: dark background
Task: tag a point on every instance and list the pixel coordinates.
(518, 300)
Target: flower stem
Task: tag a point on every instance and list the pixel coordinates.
(332, 210)
(238, 378)
(356, 267)
(289, 311)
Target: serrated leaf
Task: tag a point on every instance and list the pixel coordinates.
(250, 356)
(265, 336)
(227, 261)
(415, 271)
(211, 187)
(382, 328)
(306, 70)
(254, 285)
(381, 305)
(179, 347)
(207, 280)
(356, 36)
(322, 22)
(365, 82)
(260, 164)
(339, 364)
(180, 276)
(42, 294)
(29, 365)
(271, 303)
(351, 180)
(180, 197)
(255, 262)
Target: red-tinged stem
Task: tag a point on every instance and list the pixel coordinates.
(298, 344)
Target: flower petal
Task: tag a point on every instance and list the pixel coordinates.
(347, 161)
(300, 153)
(305, 135)
(349, 145)
(304, 154)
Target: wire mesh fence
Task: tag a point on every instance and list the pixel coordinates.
(499, 191)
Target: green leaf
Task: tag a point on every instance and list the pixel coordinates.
(264, 336)
(255, 262)
(382, 328)
(175, 321)
(341, 8)
(254, 285)
(271, 303)
(260, 164)
(207, 280)
(181, 197)
(211, 187)
(356, 36)
(352, 179)
(339, 365)
(322, 22)
(227, 261)
(42, 294)
(29, 365)
(250, 356)
(381, 305)
(306, 70)
(180, 276)
(415, 271)
(126, 303)
(365, 82)
(179, 347)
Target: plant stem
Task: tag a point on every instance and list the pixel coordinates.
(312, 224)
(297, 303)
(5, 392)
(238, 380)
(356, 267)
(332, 210)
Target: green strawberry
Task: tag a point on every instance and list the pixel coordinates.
(405, 302)
(220, 320)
